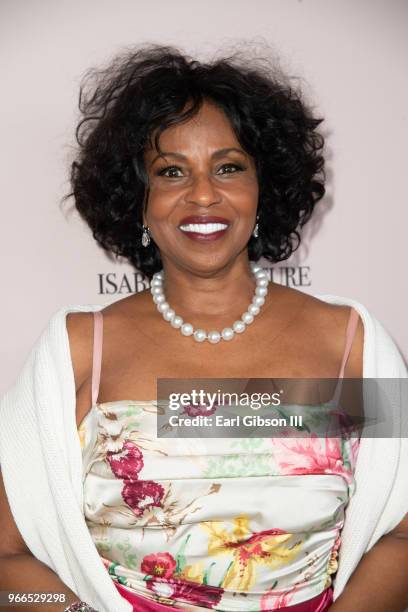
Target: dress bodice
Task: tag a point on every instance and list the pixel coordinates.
(224, 523)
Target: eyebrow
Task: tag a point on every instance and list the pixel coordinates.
(215, 155)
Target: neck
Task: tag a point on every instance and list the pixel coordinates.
(224, 293)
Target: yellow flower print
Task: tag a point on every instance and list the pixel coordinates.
(194, 572)
(248, 549)
(82, 435)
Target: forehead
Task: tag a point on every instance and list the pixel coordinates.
(209, 128)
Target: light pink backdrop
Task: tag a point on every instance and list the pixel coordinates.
(352, 56)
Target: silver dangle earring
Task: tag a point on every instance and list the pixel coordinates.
(146, 236)
(255, 233)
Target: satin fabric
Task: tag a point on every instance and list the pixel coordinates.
(320, 603)
(164, 516)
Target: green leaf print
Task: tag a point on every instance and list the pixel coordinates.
(133, 410)
(104, 547)
(128, 557)
(207, 573)
(133, 425)
(345, 451)
(225, 574)
(112, 568)
(180, 557)
(249, 463)
(248, 443)
(231, 466)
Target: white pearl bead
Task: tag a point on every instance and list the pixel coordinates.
(186, 329)
(163, 307)
(247, 318)
(176, 322)
(262, 282)
(158, 275)
(261, 274)
(200, 335)
(262, 291)
(169, 314)
(258, 300)
(227, 333)
(156, 290)
(156, 282)
(255, 267)
(238, 326)
(213, 337)
(158, 299)
(254, 310)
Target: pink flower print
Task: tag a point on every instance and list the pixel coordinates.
(199, 594)
(141, 495)
(161, 565)
(311, 456)
(272, 601)
(127, 463)
(199, 410)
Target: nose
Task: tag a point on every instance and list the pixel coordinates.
(203, 191)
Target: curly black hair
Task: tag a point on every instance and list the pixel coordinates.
(144, 90)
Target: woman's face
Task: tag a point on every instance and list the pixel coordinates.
(203, 172)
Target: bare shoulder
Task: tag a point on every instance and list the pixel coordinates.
(334, 319)
(327, 323)
(80, 335)
(80, 326)
(139, 303)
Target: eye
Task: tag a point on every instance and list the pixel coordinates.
(230, 168)
(170, 172)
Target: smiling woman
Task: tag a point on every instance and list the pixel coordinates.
(197, 168)
(140, 108)
(193, 171)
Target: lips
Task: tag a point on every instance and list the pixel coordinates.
(204, 228)
(203, 219)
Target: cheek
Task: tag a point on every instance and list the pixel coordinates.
(161, 187)
(243, 192)
(247, 181)
(161, 201)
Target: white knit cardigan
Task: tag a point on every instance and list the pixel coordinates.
(41, 463)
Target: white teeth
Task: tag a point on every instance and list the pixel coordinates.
(203, 228)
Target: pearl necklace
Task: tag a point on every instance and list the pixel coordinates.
(156, 289)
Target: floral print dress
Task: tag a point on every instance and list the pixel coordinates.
(227, 524)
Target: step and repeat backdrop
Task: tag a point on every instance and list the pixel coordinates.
(350, 58)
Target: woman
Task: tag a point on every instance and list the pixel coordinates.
(193, 172)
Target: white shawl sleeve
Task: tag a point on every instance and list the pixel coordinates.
(41, 465)
(381, 498)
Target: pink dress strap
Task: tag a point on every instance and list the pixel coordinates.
(350, 333)
(97, 355)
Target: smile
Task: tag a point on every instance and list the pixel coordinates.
(203, 228)
(204, 232)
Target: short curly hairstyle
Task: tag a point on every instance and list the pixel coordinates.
(142, 91)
